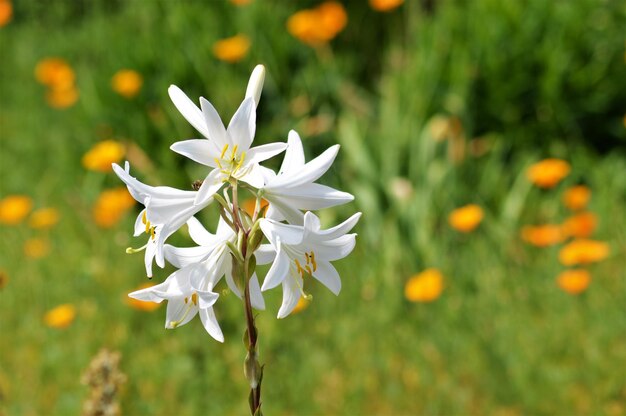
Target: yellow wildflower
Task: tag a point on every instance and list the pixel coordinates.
(36, 248)
(577, 197)
(318, 25)
(232, 49)
(542, 235)
(6, 12)
(425, 286)
(102, 155)
(111, 206)
(466, 219)
(141, 305)
(548, 172)
(385, 5)
(44, 218)
(14, 208)
(61, 316)
(127, 83)
(574, 281)
(583, 251)
(580, 225)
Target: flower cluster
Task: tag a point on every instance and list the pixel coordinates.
(288, 236)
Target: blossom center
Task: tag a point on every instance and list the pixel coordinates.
(231, 163)
(190, 301)
(150, 229)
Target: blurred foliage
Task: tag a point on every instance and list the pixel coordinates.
(436, 104)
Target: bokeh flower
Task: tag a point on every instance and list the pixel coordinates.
(142, 305)
(581, 225)
(61, 316)
(4, 279)
(249, 204)
(127, 83)
(36, 248)
(14, 208)
(548, 172)
(574, 281)
(102, 155)
(577, 197)
(240, 2)
(111, 206)
(385, 5)
(466, 218)
(582, 251)
(318, 25)
(6, 12)
(425, 286)
(232, 49)
(54, 73)
(542, 235)
(62, 97)
(44, 218)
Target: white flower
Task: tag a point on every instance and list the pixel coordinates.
(188, 291)
(293, 189)
(213, 249)
(227, 150)
(302, 251)
(167, 209)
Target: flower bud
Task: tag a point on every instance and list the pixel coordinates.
(255, 85)
(252, 369)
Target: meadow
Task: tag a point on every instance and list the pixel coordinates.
(485, 145)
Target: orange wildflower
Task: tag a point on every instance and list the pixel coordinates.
(425, 286)
(232, 49)
(62, 97)
(4, 279)
(466, 219)
(141, 305)
(61, 316)
(302, 305)
(127, 83)
(14, 208)
(385, 5)
(6, 12)
(318, 25)
(548, 172)
(36, 248)
(580, 225)
(574, 281)
(44, 218)
(542, 235)
(102, 155)
(577, 197)
(54, 73)
(583, 251)
(111, 206)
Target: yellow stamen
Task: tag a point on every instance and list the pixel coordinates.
(194, 298)
(243, 157)
(308, 269)
(313, 262)
(147, 226)
(232, 156)
(300, 269)
(217, 162)
(153, 232)
(144, 219)
(224, 151)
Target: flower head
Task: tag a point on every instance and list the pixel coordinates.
(466, 219)
(425, 286)
(581, 225)
(6, 12)
(60, 317)
(385, 5)
(14, 208)
(127, 83)
(232, 49)
(574, 281)
(318, 25)
(111, 206)
(102, 155)
(582, 251)
(44, 218)
(577, 197)
(228, 150)
(55, 73)
(542, 235)
(548, 172)
(302, 251)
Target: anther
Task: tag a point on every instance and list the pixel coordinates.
(224, 149)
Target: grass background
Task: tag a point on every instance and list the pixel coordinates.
(532, 80)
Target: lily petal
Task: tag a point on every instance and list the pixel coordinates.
(217, 132)
(188, 109)
(291, 295)
(199, 150)
(207, 316)
(328, 276)
(242, 125)
(265, 151)
(211, 184)
(278, 271)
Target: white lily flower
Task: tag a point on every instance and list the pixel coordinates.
(304, 251)
(293, 189)
(227, 150)
(213, 249)
(188, 291)
(167, 209)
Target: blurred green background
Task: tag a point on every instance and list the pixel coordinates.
(437, 104)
